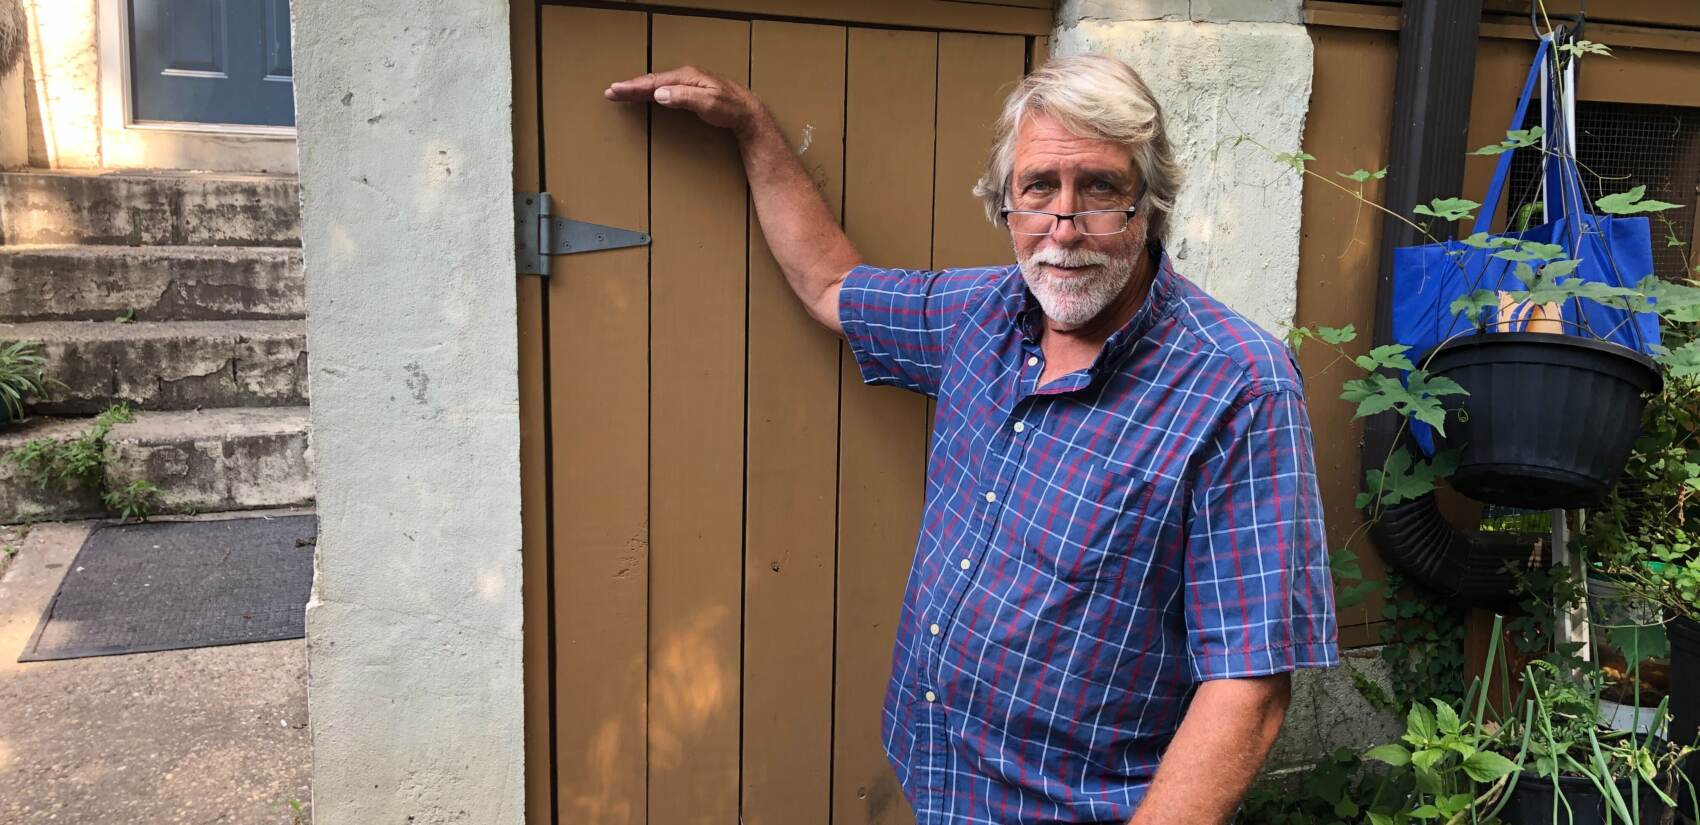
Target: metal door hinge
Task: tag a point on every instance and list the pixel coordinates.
(539, 234)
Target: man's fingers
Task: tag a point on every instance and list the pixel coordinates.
(685, 97)
(643, 87)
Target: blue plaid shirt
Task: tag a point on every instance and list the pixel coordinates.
(1091, 550)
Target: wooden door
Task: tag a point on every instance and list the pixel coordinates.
(724, 517)
(211, 61)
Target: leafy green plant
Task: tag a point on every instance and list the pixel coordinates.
(23, 373)
(79, 464)
(131, 501)
(1340, 790)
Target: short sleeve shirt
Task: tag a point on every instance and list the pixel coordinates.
(1090, 550)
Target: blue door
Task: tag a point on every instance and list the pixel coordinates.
(211, 61)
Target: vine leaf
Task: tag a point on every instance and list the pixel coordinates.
(1337, 335)
(1581, 47)
(1684, 361)
(1514, 139)
(1482, 240)
(1297, 160)
(1640, 642)
(1389, 356)
(1473, 304)
(1630, 203)
(1426, 391)
(1448, 209)
(1362, 175)
(1405, 479)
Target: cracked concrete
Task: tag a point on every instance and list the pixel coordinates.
(183, 283)
(1074, 12)
(208, 735)
(168, 364)
(201, 461)
(63, 207)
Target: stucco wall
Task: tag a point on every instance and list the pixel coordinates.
(1236, 227)
(74, 115)
(63, 85)
(413, 630)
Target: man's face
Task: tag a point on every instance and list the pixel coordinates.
(1074, 276)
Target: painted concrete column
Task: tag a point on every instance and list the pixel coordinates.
(413, 631)
(1219, 68)
(63, 87)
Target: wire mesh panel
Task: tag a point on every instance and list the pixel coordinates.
(1623, 145)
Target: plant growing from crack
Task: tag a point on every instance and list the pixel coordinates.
(79, 464)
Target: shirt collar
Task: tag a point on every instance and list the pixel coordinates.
(1159, 303)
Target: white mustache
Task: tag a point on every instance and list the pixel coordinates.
(1057, 256)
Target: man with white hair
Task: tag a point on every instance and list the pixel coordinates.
(1122, 555)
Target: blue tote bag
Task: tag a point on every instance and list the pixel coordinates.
(1617, 251)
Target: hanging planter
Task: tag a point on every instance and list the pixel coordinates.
(1549, 420)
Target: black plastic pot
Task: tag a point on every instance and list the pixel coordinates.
(1531, 803)
(1550, 419)
(1685, 691)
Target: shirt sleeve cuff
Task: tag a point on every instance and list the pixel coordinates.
(1247, 663)
(855, 325)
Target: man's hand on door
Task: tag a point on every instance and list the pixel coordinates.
(718, 101)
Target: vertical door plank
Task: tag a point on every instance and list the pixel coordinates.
(1339, 254)
(976, 72)
(698, 282)
(888, 207)
(533, 437)
(793, 460)
(1038, 51)
(596, 159)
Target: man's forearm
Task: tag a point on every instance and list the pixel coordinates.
(805, 238)
(1221, 744)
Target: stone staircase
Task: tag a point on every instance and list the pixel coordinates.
(180, 294)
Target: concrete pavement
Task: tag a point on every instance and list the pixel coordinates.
(213, 735)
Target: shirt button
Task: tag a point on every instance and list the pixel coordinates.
(991, 497)
(1020, 427)
(1032, 360)
(933, 630)
(932, 697)
(966, 564)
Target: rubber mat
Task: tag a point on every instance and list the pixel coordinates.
(171, 585)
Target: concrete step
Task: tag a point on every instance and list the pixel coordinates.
(201, 461)
(140, 209)
(153, 283)
(168, 365)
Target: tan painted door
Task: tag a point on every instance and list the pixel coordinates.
(731, 514)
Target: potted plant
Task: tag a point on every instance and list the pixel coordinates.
(1647, 534)
(22, 375)
(1576, 767)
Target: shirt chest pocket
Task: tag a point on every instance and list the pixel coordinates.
(1094, 527)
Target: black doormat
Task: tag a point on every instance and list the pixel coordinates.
(171, 585)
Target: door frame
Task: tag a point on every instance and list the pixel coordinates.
(125, 142)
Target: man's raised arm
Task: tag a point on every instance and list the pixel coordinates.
(806, 241)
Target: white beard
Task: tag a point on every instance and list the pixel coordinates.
(1070, 303)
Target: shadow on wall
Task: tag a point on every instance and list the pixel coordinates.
(14, 65)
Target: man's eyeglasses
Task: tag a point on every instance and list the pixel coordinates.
(1091, 222)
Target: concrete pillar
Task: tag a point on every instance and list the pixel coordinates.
(63, 88)
(14, 137)
(413, 631)
(1220, 68)
(14, 51)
